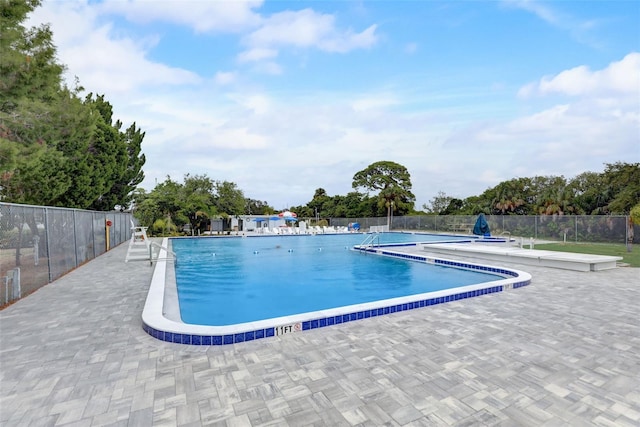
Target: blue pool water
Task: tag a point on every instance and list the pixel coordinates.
(226, 281)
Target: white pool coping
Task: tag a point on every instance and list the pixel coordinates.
(167, 326)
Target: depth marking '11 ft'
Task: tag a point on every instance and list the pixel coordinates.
(287, 329)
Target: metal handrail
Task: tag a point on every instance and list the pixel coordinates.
(160, 248)
(369, 241)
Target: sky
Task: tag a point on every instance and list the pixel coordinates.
(285, 97)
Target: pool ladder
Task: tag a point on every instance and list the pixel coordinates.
(369, 242)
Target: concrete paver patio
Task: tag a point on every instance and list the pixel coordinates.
(563, 351)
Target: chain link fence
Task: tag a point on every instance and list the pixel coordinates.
(39, 244)
(572, 228)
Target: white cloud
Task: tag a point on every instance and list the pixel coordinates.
(541, 10)
(308, 29)
(598, 123)
(103, 62)
(323, 139)
(224, 78)
(270, 67)
(257, 54)
(254, 103)
(120, 65)
(620, 77)
(212, 138)
(349, 41)
(279, 145)
(580, 30)
(71, 21)
(303, 29)
(202, 16)
(374, 102)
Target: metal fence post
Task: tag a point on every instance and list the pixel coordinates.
(75, 239)
(48, 236)
(93, 233)
(626, 233)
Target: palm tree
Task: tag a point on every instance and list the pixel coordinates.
(509, 197)
(557, 199)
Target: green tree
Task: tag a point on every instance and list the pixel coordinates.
(118, 155)
(589, 192)
(554, 196)
(473, 205)
(392, 181)
(29, 78)
(23, 183)
(80, 135)
(438, 203)
(229, 198)
(37, 129)
(164, 201)
(258, 207)
(634, 219)
(28, 67)
(99, 166)
(196, 201)
(635, 214)
(354, 206)
(511, 197)
(453, 208)
(151, 210)
(623, 182)
(320, 204)
(49, 135)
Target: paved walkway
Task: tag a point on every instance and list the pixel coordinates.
(562, 351)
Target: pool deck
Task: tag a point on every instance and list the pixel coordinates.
(564, 350)
(497, 252)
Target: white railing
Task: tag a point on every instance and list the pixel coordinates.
(369, 242)
(168, 253)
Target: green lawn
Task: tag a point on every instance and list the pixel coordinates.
(615, 249)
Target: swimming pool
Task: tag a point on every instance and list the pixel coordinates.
(241, 261)
(263, 278)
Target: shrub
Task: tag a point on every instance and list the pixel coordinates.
(635, 214)
(161, 227)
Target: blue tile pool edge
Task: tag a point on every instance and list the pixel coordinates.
(158, 326)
